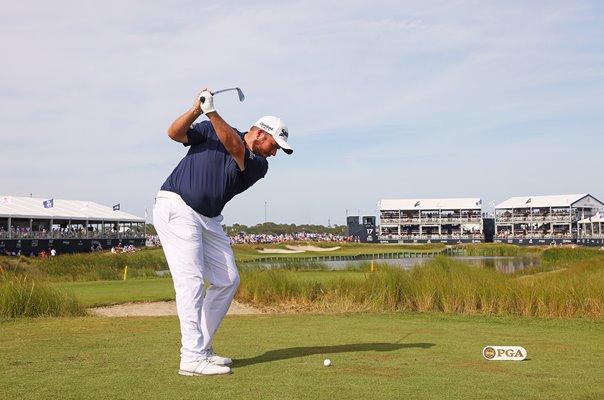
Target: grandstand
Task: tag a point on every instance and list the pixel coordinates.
(447, 221)
(547, 220)
(591, 229)
(32, 225)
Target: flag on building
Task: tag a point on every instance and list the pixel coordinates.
(479, 202)
(116, 207)
(528, 201)
(416, 204)
(49, 203)
(145, 212)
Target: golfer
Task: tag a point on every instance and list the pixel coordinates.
(221, 163)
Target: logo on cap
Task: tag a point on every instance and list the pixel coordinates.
(265, 126)
(283, 133)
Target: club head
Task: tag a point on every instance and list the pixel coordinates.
(240, 94)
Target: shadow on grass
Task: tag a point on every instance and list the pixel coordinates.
(295, 352)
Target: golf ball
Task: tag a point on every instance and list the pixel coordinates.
(327, 362)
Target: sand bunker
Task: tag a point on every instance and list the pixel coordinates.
(282, 251)
(160, 308)
(297, 249)
(312, 248)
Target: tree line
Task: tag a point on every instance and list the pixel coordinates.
(270, 228)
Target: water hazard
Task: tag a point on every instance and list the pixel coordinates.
(500, 264)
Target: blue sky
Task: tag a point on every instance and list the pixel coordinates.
(383, 99)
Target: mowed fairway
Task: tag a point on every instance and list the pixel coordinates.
(374, 356)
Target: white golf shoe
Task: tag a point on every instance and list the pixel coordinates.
(202, 367)
(216, 359)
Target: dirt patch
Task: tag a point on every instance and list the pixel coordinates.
(157, 309)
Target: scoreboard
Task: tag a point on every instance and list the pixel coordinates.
(362, 228)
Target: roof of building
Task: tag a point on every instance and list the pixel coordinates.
(28, 207)
(563, 200)
(431, 204)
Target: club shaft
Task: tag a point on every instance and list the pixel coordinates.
(225, 90)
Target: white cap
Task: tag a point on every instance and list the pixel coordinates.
(275, 127)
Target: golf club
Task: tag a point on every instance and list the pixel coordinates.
(239, 92)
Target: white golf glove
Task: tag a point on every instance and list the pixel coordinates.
(206, 102)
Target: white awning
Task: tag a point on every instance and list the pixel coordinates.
(28, 207)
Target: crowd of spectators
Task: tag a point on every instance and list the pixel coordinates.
(42, 254)
(263, 238)
(123, 249)
(522, 233)
(244, 238)
(153, 241)
(75, 232)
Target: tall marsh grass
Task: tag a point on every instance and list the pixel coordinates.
(442, 285)
(23, 296)
(563, 255)
(500, 250)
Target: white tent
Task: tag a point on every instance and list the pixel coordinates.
(28, 207)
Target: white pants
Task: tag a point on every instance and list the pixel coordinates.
(196, 248)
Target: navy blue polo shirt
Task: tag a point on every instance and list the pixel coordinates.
(208, 176)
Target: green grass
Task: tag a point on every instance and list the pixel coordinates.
(101, 293)
(375, 356)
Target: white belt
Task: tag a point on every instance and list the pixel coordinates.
(164, 194)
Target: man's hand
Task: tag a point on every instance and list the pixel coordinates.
(206, 102)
